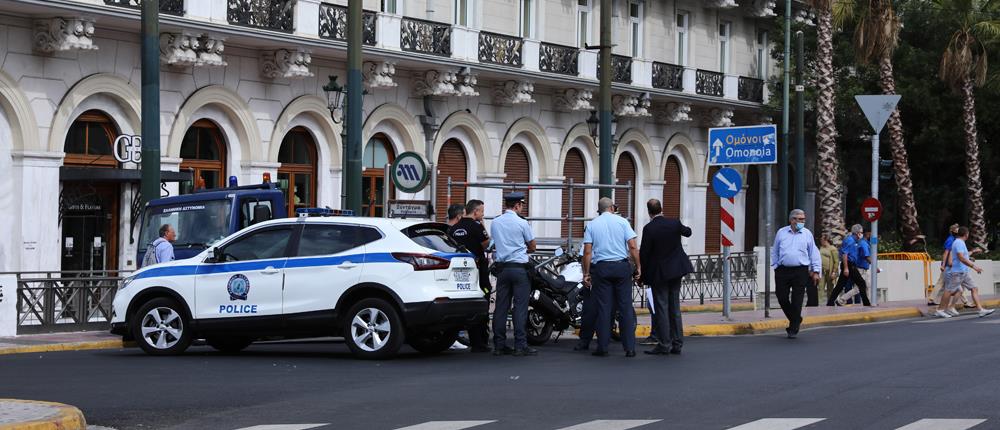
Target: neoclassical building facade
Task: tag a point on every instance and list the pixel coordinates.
(484, 90)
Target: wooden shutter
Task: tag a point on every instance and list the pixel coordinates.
(625, 172)
(752, 214)
(713, 233)
(518, 169)
(574, 168)
(451, 162)
(672, 188)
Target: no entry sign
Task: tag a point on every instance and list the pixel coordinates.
(871, 209)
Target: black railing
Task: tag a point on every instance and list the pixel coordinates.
(333, 23)
(500, 49)
(265, 14)
(65, 301)
(172, 7)
(709, 83)
(560, 59)
(751, 90)
(668, 76)
(621, 69)
(429, 37)
(705, 283)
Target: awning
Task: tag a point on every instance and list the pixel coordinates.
(72, 173)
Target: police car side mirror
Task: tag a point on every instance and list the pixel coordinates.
(217, 255)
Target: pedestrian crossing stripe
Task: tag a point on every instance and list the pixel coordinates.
(446, 425)
(761, 424)
(778, 424)
(285, 427)
(610, 425)
(942, 424)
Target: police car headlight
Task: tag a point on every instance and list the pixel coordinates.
(125, 282)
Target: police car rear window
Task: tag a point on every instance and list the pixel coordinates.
(433, 236)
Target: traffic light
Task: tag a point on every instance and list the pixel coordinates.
(885, 169)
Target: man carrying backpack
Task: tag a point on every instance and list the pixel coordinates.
(162, 249)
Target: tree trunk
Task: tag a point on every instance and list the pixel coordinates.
(977, 214)
(909, 222)
(830, 193)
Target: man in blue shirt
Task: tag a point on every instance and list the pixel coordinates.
(795, 260)
(162, 249)
(958, 276)
(608, 243)
(514, 240)
(854, 258)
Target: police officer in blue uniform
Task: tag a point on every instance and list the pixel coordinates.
(513, 240)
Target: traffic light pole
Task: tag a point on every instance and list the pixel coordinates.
(604, 112)
(352, 172)
(800, 125)
(149, 184)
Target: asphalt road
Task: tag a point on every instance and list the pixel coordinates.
(881, 376)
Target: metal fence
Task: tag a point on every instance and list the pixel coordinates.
(65, 301)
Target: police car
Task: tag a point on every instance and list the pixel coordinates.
(377, 282)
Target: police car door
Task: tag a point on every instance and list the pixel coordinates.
(248, 282)
(327, 262)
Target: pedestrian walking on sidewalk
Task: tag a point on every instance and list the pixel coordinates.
(831, 262)
(162, 249)
(938, 291)
(608, 245)
(470, 233)
(514, 240)
(851, 254)
(958, 276)
(796, 263)
(666, 264)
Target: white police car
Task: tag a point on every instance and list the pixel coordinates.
(377, 282)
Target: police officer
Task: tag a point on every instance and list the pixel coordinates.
(470, 233)
(514, 241)
(608, 243)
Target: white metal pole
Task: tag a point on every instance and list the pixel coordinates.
(727, 284)
(768, 237)
(874, 241)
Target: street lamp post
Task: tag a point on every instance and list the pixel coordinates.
(150, 54)
(335, 101)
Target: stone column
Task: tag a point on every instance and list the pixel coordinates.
(36, 239)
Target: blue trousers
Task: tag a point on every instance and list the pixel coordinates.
(612, 286)
(514, 286)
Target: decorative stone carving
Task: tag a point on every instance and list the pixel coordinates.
(673, 113)
(179, 49)
(285, 63)
(212, 48)
(762, 8)
(716, 117)
(721, 4)
(378, 75)
(435, 83)
(630, 106)
(514, 92)
(465, 85)
(573, 99)
(64, 34)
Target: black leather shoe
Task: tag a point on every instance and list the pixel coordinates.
(599, 353)
(792, 333)
(657, 351)
(525, 352)
(675, 351)
(580, 347)
(629, 354)
(503, 351)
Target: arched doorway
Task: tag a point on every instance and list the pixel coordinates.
(574, 168)
(378, 153)
(452, 163)
(89, 210)
(297, 174)
(204, 154)
(752, 215)
(672, 188)
(625, 174)
(713, 229)
(518, 169)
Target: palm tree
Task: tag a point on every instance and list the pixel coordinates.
(830, 193)
(876, 35)
(964, 66)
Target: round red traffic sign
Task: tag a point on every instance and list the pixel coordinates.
(871, 209)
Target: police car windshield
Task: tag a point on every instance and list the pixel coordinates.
(433, 236)
(198, 225)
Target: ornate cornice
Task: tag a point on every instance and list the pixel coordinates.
(285, 63)
(64, 34)
(379, 75)
(514, 92)
(573, 99)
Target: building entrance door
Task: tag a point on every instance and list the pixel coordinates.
(89, 226)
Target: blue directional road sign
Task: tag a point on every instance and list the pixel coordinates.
(756, 144)
(727, 183)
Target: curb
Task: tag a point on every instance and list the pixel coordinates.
(56, 347)
(63, 417)
(715, 307)
(758, 327)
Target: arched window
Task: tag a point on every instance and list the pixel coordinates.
(378, 153)
(518, 169)
(297, 174)
(574, 168)
(204, 154)
(672, 188)
(90, 139)
(452, 163)
(625, 172)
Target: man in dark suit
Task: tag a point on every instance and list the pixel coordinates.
(666, 263)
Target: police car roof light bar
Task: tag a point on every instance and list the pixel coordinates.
(310, 212)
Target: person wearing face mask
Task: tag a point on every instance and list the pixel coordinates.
(796, 262)
(852, 253)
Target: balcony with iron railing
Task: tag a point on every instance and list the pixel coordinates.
(276, 15)
(621, 69)
(500, 49)
(708, 83)
(427, 37)
(751, 89)
(172, 7)
(333, 24)
(668, 76)
(559, 59)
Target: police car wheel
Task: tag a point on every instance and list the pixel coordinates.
(229, 345)
(373, 329)
(161, 327)
(539, 327)
(432, 342)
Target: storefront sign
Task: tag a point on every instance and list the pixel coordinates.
(128, 149)
(410, 209)
(8, 305)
